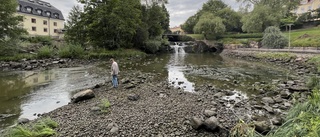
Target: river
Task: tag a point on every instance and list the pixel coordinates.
(29, 93)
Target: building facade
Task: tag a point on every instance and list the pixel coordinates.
(307, 5)
(40, 18)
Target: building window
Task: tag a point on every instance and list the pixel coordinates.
(34, 28)
(39, 11)
(29, 9)
(55, 31)
(45, 30)
(48, 13)
(33, 20)
(56, 15)
(55, 24)
(45, 22)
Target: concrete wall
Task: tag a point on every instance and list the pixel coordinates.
(40, 26)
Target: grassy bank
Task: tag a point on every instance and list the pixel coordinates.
(309, 37)
(42, 128)
(75, 52)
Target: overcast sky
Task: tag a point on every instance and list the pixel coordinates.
(179, 10)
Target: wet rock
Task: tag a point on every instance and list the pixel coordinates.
(28, 68)
(262, 127)
(83, 95)
(55, 62)
(277, 121)
(230, 93)
(268, 100)
(23, 121)
(133, 97)
(211, 124)
(96, 109)
(196, 122)
(209, 113)
(219, 95)
(278, 99)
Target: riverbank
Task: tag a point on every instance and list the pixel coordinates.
(146, 105)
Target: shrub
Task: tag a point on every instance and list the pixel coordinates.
(273, 38)
(43, 128)
(185, 38)
(71, 51)
(44, 40)
(152, 46)
(45, 52)
(104, 105)
(316, 61)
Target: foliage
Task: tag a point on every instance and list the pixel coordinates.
(273, 38)
(213, 6)
(104, 105)
(17, 57)
(190, 23)
(303, 119)
(315, 60)
(119, 53)
(242, 130)
(210, 24)
(231, 19)
(42, 128)
(185, 38)
(45, 52)
(152, 46)
(75, 33)
(71, 51)
(9, 28)
(314, 82)
(260, 18)
(242, 35)
(44, 40)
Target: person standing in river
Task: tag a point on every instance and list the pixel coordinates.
(114, 72)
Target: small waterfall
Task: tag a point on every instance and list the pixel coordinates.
(178, 49)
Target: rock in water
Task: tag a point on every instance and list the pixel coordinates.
(23, 121)
(83, 95)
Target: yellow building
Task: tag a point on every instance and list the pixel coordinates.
(40, 18)
(307, 5)
(177, 30)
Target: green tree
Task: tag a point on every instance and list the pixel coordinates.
(273, 38)
(231, 19)
(190, 23)
(75, 30)
(210, 24)
(9, 29)
(213, 6)
(260, 18)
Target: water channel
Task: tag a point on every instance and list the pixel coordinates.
(26, 94)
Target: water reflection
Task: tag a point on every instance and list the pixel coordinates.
(176, 68)
(25, 94)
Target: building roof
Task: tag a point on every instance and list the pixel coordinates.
(39, 8)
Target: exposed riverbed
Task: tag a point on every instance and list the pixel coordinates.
(26, 94)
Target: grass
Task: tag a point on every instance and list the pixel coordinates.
(305, 37)
(104, 105)
(17, 57)
(270, 55)
(316, 61)
(43, 128)
(45, 52)
(120, 53)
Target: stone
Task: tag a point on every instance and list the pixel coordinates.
(209, 113)
(262, 127)
(268, 100)
(28, 68)
(95, 109)
(83, 95)
(110, 126)
(130, 86)
(23, 121)
(133, 97)
(269, 109)
(125, 81)
(55, 62)
(114, 130)
(211, 124)
(218, 95)
(298, 89)
(285, 94)
(196, 122)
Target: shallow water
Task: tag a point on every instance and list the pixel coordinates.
(26, 94)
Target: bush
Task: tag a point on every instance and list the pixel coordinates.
(104, 105)
(44, 40)
(242, 35)
(185, 38)
(43, 128)
(316, 61)
(152, 46)
(273, 38)
(71, 51)
(8, 48)
(45, 52)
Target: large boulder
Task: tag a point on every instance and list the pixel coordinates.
(202, 47)
(262, 127)
(196, 122)
(83, 95)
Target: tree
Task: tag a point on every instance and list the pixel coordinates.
(213, 6)
(9, 21)
(231, 19)
(273, 38)
(190, 23)
(75, 30)
(259, 19)
(210, 24)
(9, 29)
